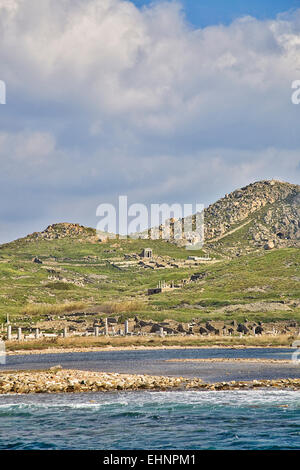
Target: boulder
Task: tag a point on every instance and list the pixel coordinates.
(203, 331)
(258, 330)
(209, 327)
(269, 245)
(242, 328)
(181, 329)
(155, 328)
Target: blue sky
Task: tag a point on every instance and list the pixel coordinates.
(107, 99)
(203, 13)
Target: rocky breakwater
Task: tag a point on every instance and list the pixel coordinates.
(56, 380)
(292, 384)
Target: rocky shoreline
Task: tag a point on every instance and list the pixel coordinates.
(58, 380)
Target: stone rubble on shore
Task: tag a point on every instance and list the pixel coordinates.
(56, 380)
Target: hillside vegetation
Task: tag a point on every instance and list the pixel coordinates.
(253, 234)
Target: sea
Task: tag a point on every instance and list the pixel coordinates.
(264, 419)
(189, 420)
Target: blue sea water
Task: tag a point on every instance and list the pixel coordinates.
(260, 419)
(156, 362)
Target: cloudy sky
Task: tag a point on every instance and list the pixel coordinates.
(163, 102)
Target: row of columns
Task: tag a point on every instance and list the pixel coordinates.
(161, 284)
(96, 331)
(106, 332)
(65, 331)
(19, 333)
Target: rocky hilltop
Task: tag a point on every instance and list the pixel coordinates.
(68, 231)
(262, 215)
(64, 230)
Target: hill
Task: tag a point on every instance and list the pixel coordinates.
(66, 269)
(262, 215)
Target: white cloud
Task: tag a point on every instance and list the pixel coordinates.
(109, 54)
(104, 98)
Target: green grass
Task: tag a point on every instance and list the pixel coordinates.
(27, 291)
(32, 310)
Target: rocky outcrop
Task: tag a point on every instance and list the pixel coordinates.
(263, 215)
(236, 207)
(64, 230)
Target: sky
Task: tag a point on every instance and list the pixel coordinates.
(165, 102)
(202, 13)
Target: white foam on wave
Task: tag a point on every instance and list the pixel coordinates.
(57, 405)
(94, 401)
(237, 398)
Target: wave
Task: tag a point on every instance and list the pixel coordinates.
(174, 399)
(252, 419)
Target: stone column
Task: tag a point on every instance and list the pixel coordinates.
(161, 332)
(254, 331)
(19, 334)
(65, 332)
(126, 329)
(8, 332)
(113, 332)
(106, 326)
(96, 331)
(37, 333)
